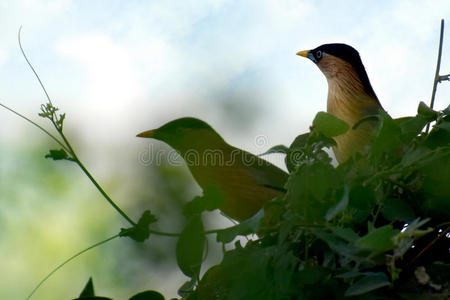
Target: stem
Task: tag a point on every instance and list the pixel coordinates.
(67, 261)
(436, 75)
(68, 148)
(164, 233)
(32, 69)
(427, 247)
(67, 145)
(37, 125)
(91, 178)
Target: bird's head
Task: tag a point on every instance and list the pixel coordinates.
(340, 60)
(186, 134)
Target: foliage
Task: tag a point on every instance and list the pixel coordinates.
(358, 229)
(346, 230)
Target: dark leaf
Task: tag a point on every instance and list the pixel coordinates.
(244, 228)
(190, 245)
(300, 141)
(345, 233)
(338, 207)
(58, 155)
(337, 244)
(276, 149)
(141, 231)
(426, 111)
(212, 199)
(396, 209)
(93, 298)
(88, 289)
(412, 127)
(187, 288)
(311, 275)
(443, 125)
(446, 111)
(361, 202)
(148, 295)
(368, 283)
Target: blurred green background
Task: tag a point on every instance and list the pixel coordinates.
(120, 67)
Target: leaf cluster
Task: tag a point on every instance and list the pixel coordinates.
(358, 229)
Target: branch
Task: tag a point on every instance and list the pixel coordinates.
(437, 78)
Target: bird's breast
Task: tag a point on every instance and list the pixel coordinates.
(351, 105)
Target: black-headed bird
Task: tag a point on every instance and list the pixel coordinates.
(246, 181)
(350, 94)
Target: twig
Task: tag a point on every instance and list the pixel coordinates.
(437, 78)
(67, 261)
(31, 66)
(57, 123)
(37, 125)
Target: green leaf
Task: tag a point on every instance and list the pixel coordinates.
(148, 295)
(414, 156)
(300, 141)
(244, 228)
(336, 243)
(58, 155)
(378, 240)
(368, 283)
(93, 298)
(141, 231)
(88, 292)
(338, 207)
(443, 125)
(412, 127)
(402, 120)
(190, 245)
(212, 199)
(387, 138)
(345, 233)
(426, 111)
(88, 289)
(446, 111)
(361, 202)
(310, 190)
(371, 118)
(276, 149)
(329, 125)
(187, 288)
(396, 209)
(311, 275)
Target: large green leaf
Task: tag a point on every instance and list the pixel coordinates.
(329, 125)
(190, 247)
(378, 240)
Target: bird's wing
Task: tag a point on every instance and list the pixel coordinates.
(265, 173)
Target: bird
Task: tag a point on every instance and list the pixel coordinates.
(246, 181)
(350, 95)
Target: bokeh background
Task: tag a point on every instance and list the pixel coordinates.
(120, 67)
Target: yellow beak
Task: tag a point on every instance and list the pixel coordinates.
(303, 53)
(146, 134)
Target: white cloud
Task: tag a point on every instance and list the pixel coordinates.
(108, 65)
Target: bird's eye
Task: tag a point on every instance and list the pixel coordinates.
(319, 54)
